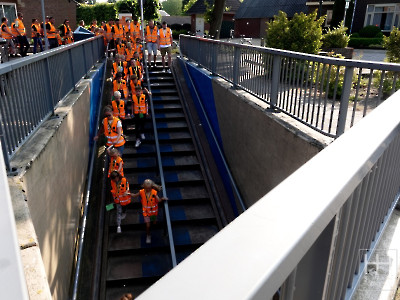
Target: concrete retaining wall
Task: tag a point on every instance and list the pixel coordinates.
(52, 175)
(262, 147)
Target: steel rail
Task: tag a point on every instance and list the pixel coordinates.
(87, 198)
(160, 168)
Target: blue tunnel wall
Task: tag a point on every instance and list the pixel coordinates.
(202, 84)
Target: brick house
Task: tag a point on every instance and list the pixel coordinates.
(59, 9)
(198, 10)
(382, 13)
(252, 15)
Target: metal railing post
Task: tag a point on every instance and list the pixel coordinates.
(276, 72)
(71, 66)
(236, 65)
(214, 58)
(49, 89)
(344, 100)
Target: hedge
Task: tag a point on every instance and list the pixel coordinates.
(359, 42)
(98, 11)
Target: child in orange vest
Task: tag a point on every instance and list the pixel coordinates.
(149, 199)
(119, 108)
(121, 194)
(140, 111)
(119, 84)
(116, 162)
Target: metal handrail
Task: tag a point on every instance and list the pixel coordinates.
(303, 86)
(23, 110)
(231, 179)
(159, 161)
(87, 198)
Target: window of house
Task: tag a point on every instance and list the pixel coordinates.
(385, 16)
(8, 10)
(328, 17)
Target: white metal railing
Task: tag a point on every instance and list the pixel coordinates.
(308, 237)
(327, 94)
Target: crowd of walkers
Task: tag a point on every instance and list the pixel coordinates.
(118, 37)
(130, 101)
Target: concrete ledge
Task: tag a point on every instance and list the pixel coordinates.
(47, 194)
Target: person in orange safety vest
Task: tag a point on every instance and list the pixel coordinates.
(20, 32)
(116, 162)
(112, 129)
(149, 199)
(121, 195)
(152, 41)
(165, 44)
(119, 84)
(140, 111)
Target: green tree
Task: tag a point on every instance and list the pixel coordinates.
(173, 7)
(302, 33)
(336, 37)
(187, 4)
(216, 18)
(392, 44)
(150, 8)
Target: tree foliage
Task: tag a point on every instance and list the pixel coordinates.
(106, 11)
(392, 44)
(173, 7)
(98, 11)
(336, 37)
(187, 4)
(302, 33)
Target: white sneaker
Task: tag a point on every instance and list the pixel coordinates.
(163, 70)
(142, 136)
(119, 229)
(123, 216)
(138, 142)
(148, 239)
(169, 71)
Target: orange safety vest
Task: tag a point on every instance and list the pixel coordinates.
(119, 31)
(111, 133)
(66, 29)
(151, 36)
(129, 54)
(133, 89)
(114, 165)
(5, 35)
(92, 28)
(149, 205)
(137, 70)
(35, 30)
(118, 65)
(121, 86)
(51, 34)
(139, 106)
(135, 29)
(118, 190)
(68, 40)
(119, 109)
(165, 39)
(20, 30)
(121, 49)
(108, 32)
